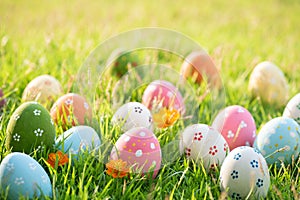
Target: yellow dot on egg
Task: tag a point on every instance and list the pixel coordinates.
(129, 157)
(289, 128)
(144, 144)
(129, 150)
(124, 147)
(280, 137)
(297, 128)
(295, 148)
(133, 144)
(139, 140)
(276, 145)
(270, 147)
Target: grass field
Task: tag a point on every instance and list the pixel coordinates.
(55, 37)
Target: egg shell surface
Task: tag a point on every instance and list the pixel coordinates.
(204, 144)
(71, 109)
(245, 171)
(237, 126)
(43, 89)
(279, 140)
(268, 82)
(164, 93)
(198, 64)
(140, 148)
(133, 114)
(30, 127)
(292, 109)
(78, 139)
(24, 176)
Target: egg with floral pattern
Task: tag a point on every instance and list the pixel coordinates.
(237, 126)
(132, 114)
(2, 99)
(70, 110)
(30, 127)
(43, 89)
(245, 173)
(204, 145)
(268, 82)
(163, 94)
(24, 177)
(279, 140)
(141, 150)
(292, 109)
(78, 139)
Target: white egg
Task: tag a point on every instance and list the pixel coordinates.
(245, 173)
(131, 115)
(23, 177)
(204, 144)
(268, 82)
(292, 109)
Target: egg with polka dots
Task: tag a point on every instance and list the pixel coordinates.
(78, 139)
(279, 140)
(292, 109)
(70, 110)
(24, 177)
(30, 128)
(132, 114)
(237, 126)
(161, 93)
(245, 173)
(140, 148)
(268, 82)
(204, 145)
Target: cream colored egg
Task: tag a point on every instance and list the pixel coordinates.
(43, 89)
(268, 82)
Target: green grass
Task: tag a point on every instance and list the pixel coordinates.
(38, 37)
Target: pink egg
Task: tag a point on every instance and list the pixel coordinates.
(237, 126)
(162, 93)
(141, 150)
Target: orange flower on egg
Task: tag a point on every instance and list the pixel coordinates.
(165, 117)
(117, 168)
(58, 157)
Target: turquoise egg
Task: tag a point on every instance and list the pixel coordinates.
(279, 140)
(78, 139)
(23, 177)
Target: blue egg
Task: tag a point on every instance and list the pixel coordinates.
(78, 139)
(23, 177)
(279, 140)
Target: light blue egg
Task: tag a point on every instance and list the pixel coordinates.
(279, 140)
(78, 139)
(23, 176)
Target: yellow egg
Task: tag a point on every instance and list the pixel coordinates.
(43, 89)
(268, 82)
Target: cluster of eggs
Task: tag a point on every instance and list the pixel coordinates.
(227, 143)
(32, 128)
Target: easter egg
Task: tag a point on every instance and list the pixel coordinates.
(125, 60)
(2, 99)
(279, 140)
(268, 82)
(30, 127)
(23, 177)
(70, 110)
(245, 172)
(140, 148)
(43, 89)
(132, 114)
(292, 109)
(237, 126)
(204, 145)
(78, 139)
(199, 64)
(162, 93)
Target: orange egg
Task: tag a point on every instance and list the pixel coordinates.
(71, 110)
(199, 64)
